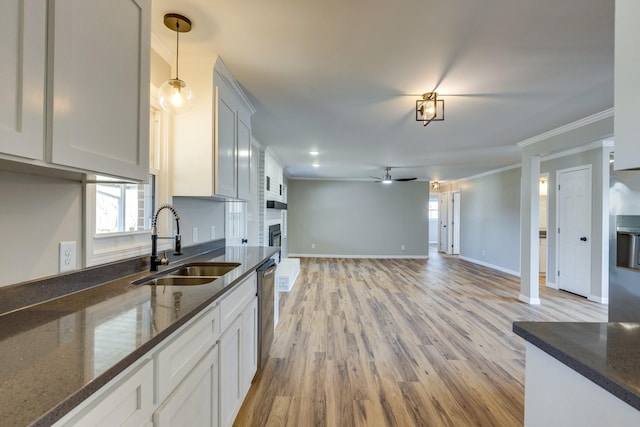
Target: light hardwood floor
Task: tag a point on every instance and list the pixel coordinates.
(370, 342)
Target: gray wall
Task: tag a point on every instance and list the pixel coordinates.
(490, 219)
(347, 218)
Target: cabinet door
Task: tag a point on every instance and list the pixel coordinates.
(195, 401)
(230, 351)
(225, 141)
(244, 158)
(99, 80)
(23, 46)
(249, 360)
(627, 90)
(127, 403)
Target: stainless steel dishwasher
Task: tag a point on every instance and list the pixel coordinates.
(266, 289)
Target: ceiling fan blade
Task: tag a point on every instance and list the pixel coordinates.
(375, 177)
(405, 179)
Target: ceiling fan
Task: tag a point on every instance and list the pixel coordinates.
(386, 179)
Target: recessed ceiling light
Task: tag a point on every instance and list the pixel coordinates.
(316, 165)
(314, 153)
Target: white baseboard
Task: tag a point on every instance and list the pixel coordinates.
(359, 256)
(495, 267)
(528, 300)
(601, 300)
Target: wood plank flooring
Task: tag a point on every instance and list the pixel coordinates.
(371, 342)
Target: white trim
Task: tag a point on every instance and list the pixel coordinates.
(587, 147)
(527, 300)
(551, 285)
(162, 49)
(358, 256)
(491, 172)
(221, 68)
(566, 128)
(495, 267)
(598, 299)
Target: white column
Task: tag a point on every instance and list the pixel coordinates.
(529, 229)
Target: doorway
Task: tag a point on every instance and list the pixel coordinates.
(449, 218)
(543, 219)
(574, 230)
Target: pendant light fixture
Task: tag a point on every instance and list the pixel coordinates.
(174, 94)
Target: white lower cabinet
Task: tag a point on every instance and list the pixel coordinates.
(199, 376)
(125, 401)
(238, 348)
(230, 352)
(195, 401)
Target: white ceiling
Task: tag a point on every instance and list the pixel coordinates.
(342, 76)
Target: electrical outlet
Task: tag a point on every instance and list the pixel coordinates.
(483, 252)
(402, 247)
(213, 232)
(313, 246)
(67, 256)
(195, 234)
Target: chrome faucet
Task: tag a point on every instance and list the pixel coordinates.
(155, 262)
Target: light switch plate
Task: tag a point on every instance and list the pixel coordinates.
(67, 256)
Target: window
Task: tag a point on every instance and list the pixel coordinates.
(433, 209)
(124, 207)
(119, 215)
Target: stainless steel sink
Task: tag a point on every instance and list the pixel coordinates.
(191, 274)
(181, 281)
(205, 269)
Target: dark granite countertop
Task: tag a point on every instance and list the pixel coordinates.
(606, 353)
(57, 353)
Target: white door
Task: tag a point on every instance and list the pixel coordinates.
(574, 230)
(235, 230)
(454, 222)
(443, 218)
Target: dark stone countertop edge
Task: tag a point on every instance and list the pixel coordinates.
(612, 386)
(68, 404)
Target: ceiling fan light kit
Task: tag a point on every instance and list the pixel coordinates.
(386, 178)
(429, 108)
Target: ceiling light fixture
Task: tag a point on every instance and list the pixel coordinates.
(435, 186)
(174, 94)
(429, 108)
(387, 176)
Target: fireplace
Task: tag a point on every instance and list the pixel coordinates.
(275, 235)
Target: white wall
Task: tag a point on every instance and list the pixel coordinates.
(36, 213)
(348, 218)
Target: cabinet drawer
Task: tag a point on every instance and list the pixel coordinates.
(233, 304)
(184, 351)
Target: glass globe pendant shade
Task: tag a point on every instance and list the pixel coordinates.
(175, 96)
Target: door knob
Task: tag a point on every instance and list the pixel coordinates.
(583, 239)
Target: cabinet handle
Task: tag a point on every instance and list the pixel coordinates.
(583, 239)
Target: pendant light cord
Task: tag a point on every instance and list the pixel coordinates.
(177, 48)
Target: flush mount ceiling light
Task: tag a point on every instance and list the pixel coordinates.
(435, 185)
(174, 94)
(429, 108)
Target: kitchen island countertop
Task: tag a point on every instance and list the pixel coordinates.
(606, 353)
(57, 353)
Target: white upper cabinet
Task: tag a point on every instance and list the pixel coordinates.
(627, 90)
(99, 86)
(23, 41)
(212, 141)
(244, 157)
